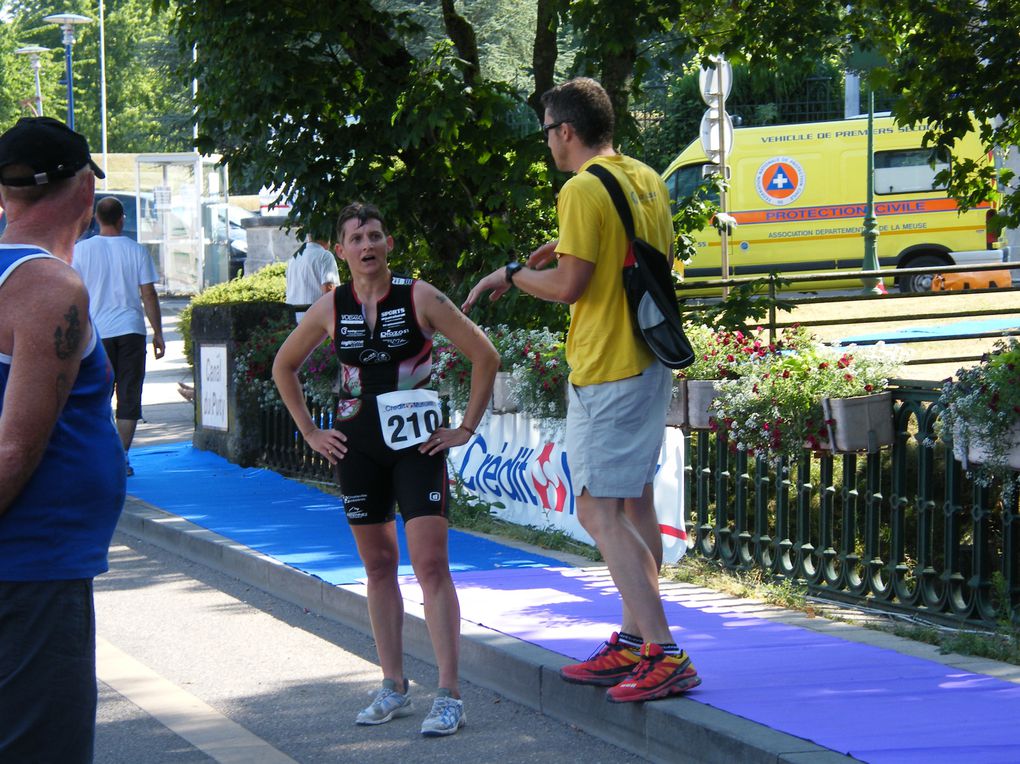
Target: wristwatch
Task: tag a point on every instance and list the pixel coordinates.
(511, 271)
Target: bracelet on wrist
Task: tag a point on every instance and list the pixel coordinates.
(465, 427)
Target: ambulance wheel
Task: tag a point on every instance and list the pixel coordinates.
(920, 282)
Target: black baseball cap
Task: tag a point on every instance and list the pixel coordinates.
(52, 149)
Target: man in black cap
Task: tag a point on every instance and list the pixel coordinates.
(62, 475)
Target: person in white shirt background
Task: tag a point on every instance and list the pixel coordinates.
(120, 276)
(311, 272)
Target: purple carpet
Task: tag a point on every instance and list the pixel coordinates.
(876, 705)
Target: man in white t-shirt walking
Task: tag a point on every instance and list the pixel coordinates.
(311, 273)
(120, 276)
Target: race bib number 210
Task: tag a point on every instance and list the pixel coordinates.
(408, 417)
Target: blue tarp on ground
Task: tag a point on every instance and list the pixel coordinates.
(285, 519)
(874, 704)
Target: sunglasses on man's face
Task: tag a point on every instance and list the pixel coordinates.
(551, 126)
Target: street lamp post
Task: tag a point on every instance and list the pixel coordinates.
(67, 22)
(870, 261)
(102, 86)
(33, 52)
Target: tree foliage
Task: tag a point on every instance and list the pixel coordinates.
(431, 109)
(148, 109)
(953, 63)
(761, 95)
(949, 64)
(357, 104)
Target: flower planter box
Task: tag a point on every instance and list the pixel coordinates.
(502, 401)
(976, 451)
(863, 423)
(700, 396)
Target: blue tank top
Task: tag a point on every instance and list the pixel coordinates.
(60, 525)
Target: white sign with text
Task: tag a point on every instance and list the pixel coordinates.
(213, 370)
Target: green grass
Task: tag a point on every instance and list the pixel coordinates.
(998, 645)
(749, 584)
(1000, 642)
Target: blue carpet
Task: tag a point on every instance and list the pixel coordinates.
(877, 705)
(285, 519)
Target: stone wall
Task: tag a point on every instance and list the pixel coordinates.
(213, 327)
(268, 242)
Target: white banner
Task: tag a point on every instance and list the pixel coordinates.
(520, 463)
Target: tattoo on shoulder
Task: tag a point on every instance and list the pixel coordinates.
(440, 297)
(67, 339)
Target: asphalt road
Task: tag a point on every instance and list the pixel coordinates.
(195, 666)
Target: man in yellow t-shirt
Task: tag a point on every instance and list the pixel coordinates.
(618, 393)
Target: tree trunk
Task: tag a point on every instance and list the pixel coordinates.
(617, 70)
(462, 34)
(545, 52)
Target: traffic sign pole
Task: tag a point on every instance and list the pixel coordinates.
(724, 239)
(715, 86)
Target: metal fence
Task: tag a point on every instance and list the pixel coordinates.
(904, 528)
(285, 451)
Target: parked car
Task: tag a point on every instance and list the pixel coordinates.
(128, 200)
(798, 192)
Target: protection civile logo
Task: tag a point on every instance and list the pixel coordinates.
(780, 181)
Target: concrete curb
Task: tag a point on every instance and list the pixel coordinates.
(679, 731)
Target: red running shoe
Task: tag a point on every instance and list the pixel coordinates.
(608, 665)
(657, 676)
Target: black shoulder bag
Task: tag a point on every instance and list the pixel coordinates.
(649, 287)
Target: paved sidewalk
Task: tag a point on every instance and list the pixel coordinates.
(166, 416)
(677, 730)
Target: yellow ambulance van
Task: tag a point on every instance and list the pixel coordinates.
(798, 195)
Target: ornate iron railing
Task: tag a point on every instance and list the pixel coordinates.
(283, 448)
(903, 528)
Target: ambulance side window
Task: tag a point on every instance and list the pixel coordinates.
(684, 182)
(907, 171)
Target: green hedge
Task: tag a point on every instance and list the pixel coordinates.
(266, 285)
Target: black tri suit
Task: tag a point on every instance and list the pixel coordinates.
(394, 354)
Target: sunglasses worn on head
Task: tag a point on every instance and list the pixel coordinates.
(552, 126)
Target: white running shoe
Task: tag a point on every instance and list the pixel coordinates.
(446, 717)
(388, 704)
